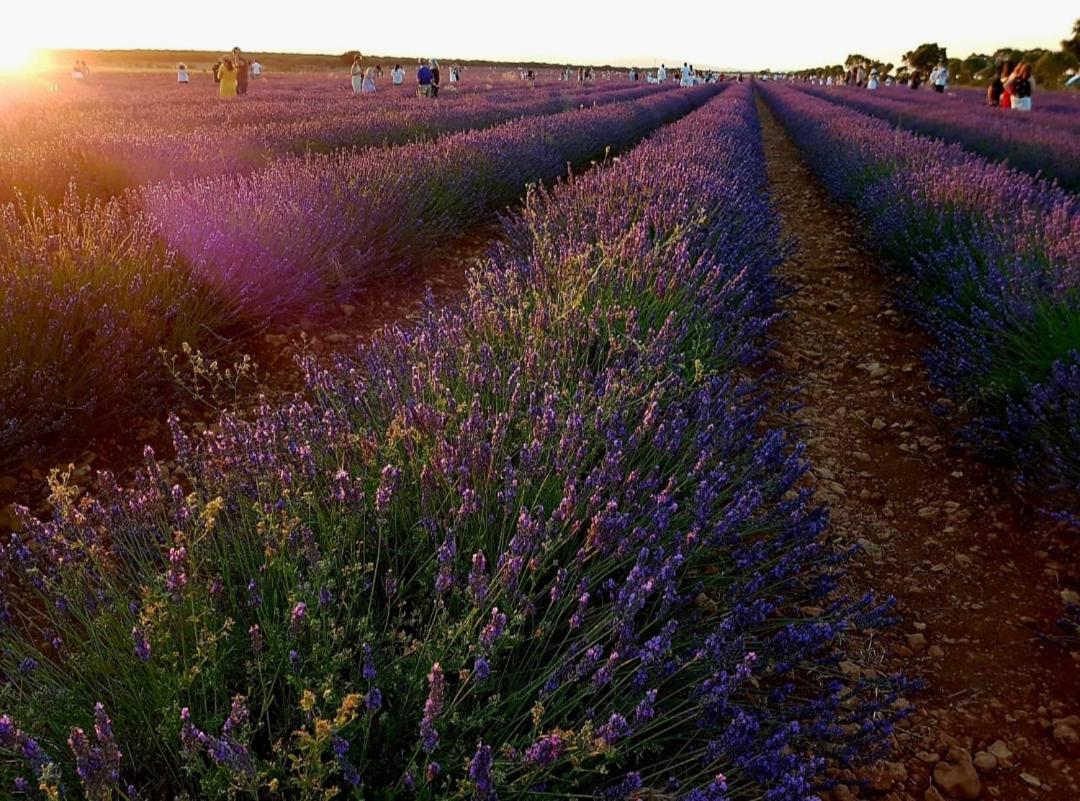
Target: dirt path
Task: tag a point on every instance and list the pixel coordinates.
(976, 576)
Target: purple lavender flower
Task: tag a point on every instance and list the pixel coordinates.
(388, 484)
(256, 639)
(432, 708)
(480, 773)
(546, 750)
(97, 766)
(493, 630)
(297, 616)
(142, 645)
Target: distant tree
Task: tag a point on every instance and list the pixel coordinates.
(1073, 45)
(1033, 55)
(1050, 69)
(348, 56)
(955, 67)
(973, 67)
(855, 60)
(925, 57)
(1008, 54)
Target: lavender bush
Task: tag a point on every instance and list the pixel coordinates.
(990, 263)
(111, 144)
(88, 295)
(90, 291)
(287, 235)
(1040, 143)
(541, 544)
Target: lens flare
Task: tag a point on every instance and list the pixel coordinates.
(15, 57)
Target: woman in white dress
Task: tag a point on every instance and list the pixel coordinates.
(182, 75)
(368, 86)
(357, 73)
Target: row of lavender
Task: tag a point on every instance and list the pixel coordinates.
(89, 292)
(290, 233)
(990, 261)
(542, 543)
(1027, 142)
(123, 150)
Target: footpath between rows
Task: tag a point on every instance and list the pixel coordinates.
(977, 575)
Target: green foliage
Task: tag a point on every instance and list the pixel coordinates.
(1050, 69)
(925, 57)
(1073, 45)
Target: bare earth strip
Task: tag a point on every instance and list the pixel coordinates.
(977, 576)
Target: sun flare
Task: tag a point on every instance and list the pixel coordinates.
(15, 57)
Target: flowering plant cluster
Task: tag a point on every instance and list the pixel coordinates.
(283, 237)
(1046, 143)
(90, 292)
(542, 542)
(990, 265)
(130, 134)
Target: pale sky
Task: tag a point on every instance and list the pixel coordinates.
(751, 34)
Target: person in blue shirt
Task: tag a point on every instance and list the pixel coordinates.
(423, 81)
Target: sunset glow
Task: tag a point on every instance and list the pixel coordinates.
(15, 56)
(779, 34)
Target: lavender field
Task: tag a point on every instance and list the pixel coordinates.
(568, 534)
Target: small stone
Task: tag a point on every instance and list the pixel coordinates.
(935, 652)
(959, 780)
(932, 794)
(1066, 738)
(1001, 752)
(878, 424)
(868, 547)
(985, 761)
(916, 642)
(1028, 778)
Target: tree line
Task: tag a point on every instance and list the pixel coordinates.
(1051, 68)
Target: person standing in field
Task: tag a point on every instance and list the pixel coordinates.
(241, 66)
(1005, 99)
(182, 74)
(368, 87)
(940, 78)
(872, 82)
(686, 76)
(423, 81)
(256, 69)
(357, 75)
(661, 74)
(434, 78)
(227, 78)
(397, 75)
(995, 90)
(1020, 86)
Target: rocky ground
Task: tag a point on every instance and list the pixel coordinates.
(978, 575)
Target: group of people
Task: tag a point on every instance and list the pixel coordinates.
(428, 77)
(80, 71)
(231, 74)
(1011, 87)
